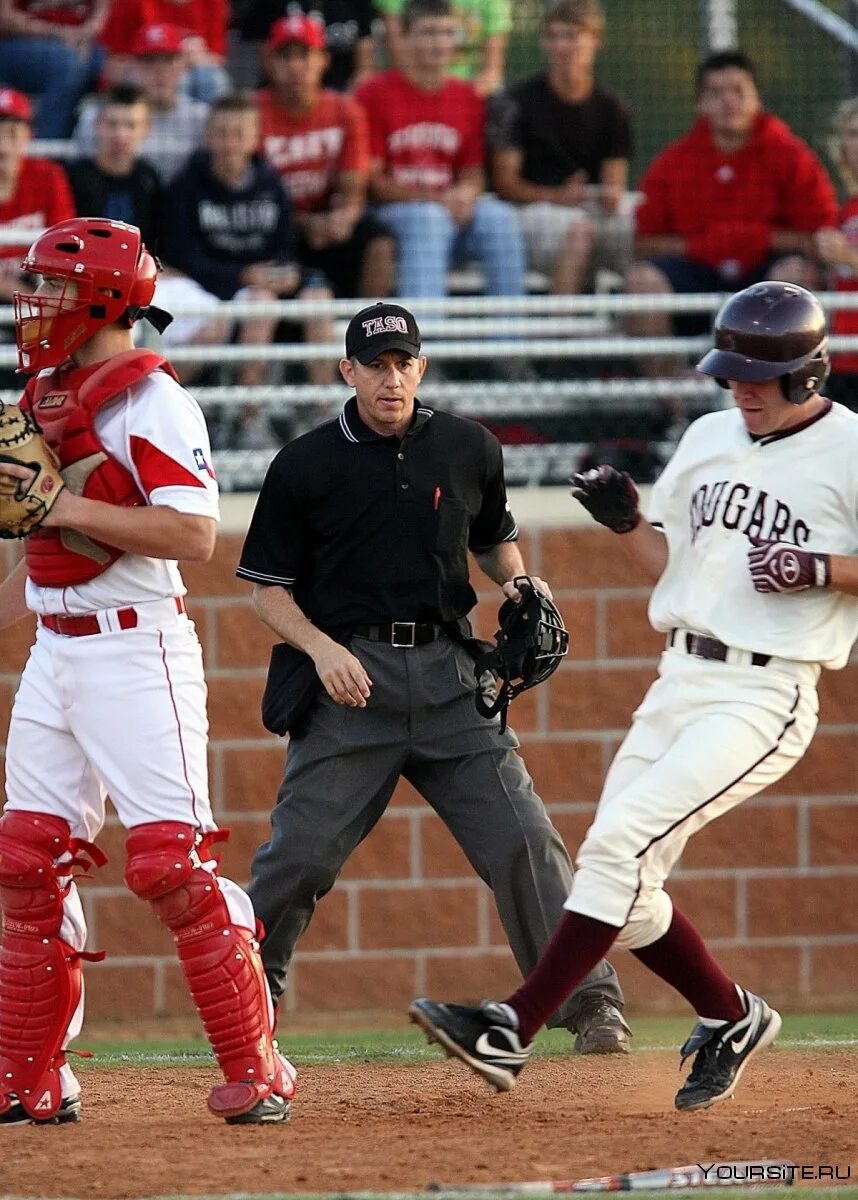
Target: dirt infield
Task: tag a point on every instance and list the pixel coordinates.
(379, 1126)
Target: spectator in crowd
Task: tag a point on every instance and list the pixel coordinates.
(348, 38)
(736, 200)
(50, 49)
(231, 230)
(482, 33)
(34, 192)
(116, 182)
(561, 148)
(201, 25)
(427, 140)
(318, 142)
(176, 122)
(838, 248)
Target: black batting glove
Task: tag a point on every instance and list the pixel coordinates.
(609, 496)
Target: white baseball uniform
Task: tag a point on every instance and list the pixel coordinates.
(711, 733)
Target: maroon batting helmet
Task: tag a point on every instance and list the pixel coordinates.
(771, 330)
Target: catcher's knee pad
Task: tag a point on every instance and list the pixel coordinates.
(648, 921)
(170, 864)
(40, 974)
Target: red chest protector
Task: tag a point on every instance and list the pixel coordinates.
(64, 403)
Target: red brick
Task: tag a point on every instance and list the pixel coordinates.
(644, 992)
(709, 903)
(328, 929)
(579, 615)
(245, 838)
(354, 983)
(111, 841)
(217, 577)
(596, 699)
(572, 827)
(234, 706)
(801, 907)
(834, 970)
(565, 772)
(581, 558)
(833, 835)
(15, 643)
(177, 1001)
(415, 917)
(837, 692)
(749, 836)
(7, 695)
(440, 855)
(125, 926)
(383, 854)
(241, 638)
(251, 778)
(829, 768)
(469, 978)
(119, 991)
(629, 633)
(775, 971)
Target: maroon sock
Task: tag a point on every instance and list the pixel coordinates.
(681, 959)
(576, 946)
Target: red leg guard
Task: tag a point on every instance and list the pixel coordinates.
(40, 975)
(220, 960)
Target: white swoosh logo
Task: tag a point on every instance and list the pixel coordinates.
(739, 1046)
(483, 1046)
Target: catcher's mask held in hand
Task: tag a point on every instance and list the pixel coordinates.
(530, 643)
(114, 279)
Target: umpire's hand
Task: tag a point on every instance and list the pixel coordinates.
(343, 675)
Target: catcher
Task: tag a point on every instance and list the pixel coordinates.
(104, 470)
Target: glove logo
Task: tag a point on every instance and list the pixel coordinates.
(790, 568)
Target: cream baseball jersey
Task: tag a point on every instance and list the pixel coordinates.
(721, 493)
(158, 432)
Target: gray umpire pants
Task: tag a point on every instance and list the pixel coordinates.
(343, 764)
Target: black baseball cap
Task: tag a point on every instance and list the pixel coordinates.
(382, 327)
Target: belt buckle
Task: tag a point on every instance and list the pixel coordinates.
(410, 628)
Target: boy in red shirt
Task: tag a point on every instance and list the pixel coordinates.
(317, 140)
(34, 193)
(428, 156)
(202, 25)
(734, 201)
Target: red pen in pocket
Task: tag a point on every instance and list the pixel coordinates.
(436, 499)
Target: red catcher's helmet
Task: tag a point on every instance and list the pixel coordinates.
(771, 330)
(114, 277)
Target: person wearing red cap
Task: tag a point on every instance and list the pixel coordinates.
(319, 143)
(49, 49)
(201, 28)
(33, 191)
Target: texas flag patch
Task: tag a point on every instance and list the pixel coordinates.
(201, 463)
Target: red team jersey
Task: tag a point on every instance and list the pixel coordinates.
(424, 139)
(195, 18)
(43, 197)
(846, 280)
(775, 179)
(54, 13)
(309, 151)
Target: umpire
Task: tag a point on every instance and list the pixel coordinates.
(358, 555)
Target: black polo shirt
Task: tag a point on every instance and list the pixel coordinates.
(365, 528)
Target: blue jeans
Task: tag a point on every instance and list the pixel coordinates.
(59, 75)
(429, 242)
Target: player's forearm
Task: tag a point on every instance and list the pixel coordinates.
(12, 604)
(647, 247)
(385, 190)
(503, 562)
(647, 546)
(276, 608)
(843, 576)
(155, 531)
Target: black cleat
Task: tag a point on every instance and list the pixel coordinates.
(485, 1038)
(600, 1028)
(273, 1110)
(722, 1053)
(67, 1114)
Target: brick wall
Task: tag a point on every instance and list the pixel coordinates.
(774, 886)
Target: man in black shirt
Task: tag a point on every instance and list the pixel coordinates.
(358, 555)
(561, 147)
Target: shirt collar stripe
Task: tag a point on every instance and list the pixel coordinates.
(344, 425)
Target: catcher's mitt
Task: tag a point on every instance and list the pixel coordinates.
(24, 504)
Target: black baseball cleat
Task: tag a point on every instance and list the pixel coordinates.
(722, 1053)
(485, 1038)
(273, 1110)
(67, 1114)
(600, 1028)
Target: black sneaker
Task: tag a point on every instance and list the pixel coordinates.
(67, 1114)
(273, 1110)
(721, 1054)
(600, 1028)
(485, 1038)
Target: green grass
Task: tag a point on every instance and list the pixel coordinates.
(408, 1046)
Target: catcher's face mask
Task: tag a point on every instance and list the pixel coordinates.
(530, 643)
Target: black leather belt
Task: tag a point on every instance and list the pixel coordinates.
(404, 634)
(709, 647)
